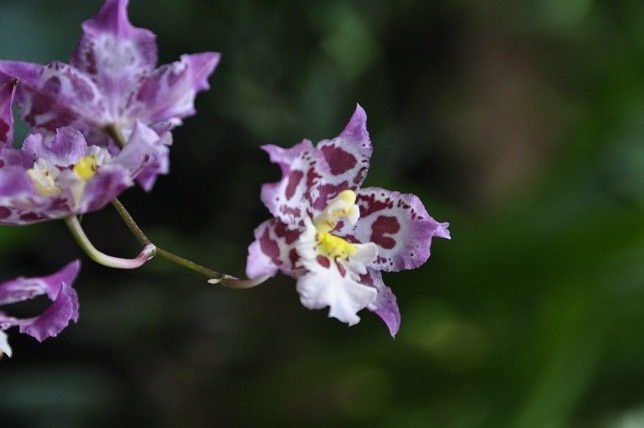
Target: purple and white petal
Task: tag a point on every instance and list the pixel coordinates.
(56, 95)
(109, 182)
(386, 305)
(168, 94)
(58, 288)
(288, 199)
(7, 90)
(347, 156)
(145, 155)
(63, 149)
(115, 54)
(399, 224)
(274, 249)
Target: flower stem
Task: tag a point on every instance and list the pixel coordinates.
(113, 262)
(213, 276)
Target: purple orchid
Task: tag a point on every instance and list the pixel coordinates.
(55, 175)
(111, 83)
(64, 307)
(335, 237)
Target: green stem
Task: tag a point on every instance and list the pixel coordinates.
(214, 277)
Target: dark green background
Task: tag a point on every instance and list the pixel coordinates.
(521, 123)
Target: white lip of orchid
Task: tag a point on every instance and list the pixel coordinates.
(336, 283)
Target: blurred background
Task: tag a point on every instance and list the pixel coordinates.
(519, 122)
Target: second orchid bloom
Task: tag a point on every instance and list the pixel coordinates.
(335, 237)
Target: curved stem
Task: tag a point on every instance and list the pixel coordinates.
(214, 276)
(113, 262)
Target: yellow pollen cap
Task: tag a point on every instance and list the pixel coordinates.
(348, 196)
(333, 246)
(86, 167)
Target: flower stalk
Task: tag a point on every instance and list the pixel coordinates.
(101, 258)
(214, 277)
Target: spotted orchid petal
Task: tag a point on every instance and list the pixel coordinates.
(169, 92)
(56, 95)
(399, 224)
(57, 287)
(312, 176)
(273, 250)
(145, 155)
(111, 81)
(115, 54)
(64, 149)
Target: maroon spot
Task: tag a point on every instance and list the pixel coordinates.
(326, 192)
(4, 213)
(323, 261)
(31, 217)
(369, 204)
(290, 211)
(270, 248)
(341, 269)
(4, 130)
(293, 257)
(281, 231)
(340, 161)
(1, 163)
(52, 86)
(294, 179)
(351, 239)
(384, 225)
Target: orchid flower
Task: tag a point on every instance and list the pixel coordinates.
(57, 175)
(111, 84)
(334, 237)
(64, 308)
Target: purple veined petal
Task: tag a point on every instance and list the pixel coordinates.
(273, 250)
(58, 288)
(62, 149)
(168, 94)
(386, 305)
(145, 155)
(56, 95)
(399, 224)
(115, 54)
(347, 156)
(7, 90)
